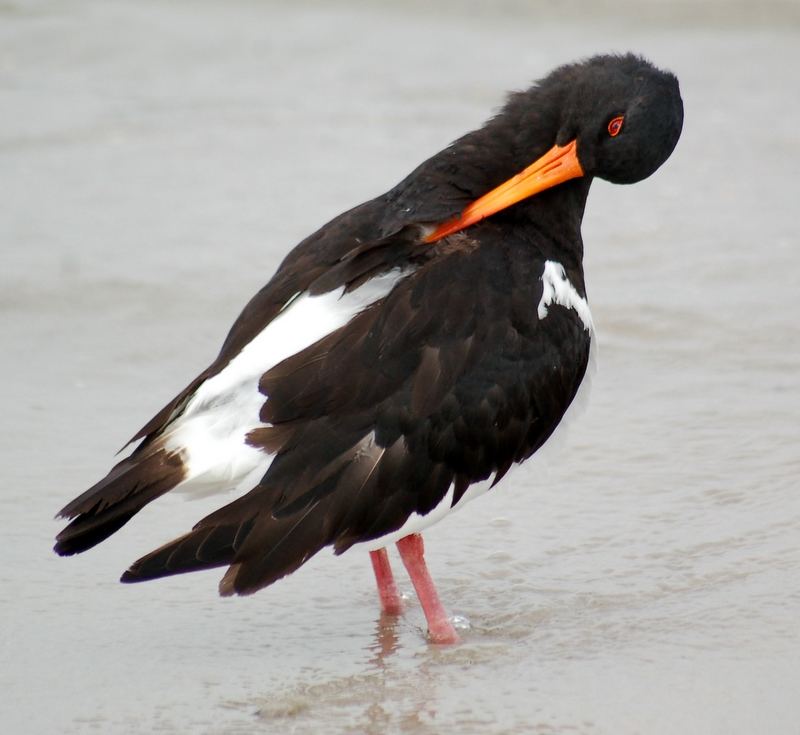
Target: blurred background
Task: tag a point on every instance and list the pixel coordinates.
(158, 159)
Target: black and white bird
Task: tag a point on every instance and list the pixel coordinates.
(404, 356)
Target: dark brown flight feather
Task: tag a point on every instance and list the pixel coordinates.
(107, 506)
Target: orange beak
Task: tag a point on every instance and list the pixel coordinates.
(558, 165)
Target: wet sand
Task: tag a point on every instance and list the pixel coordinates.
(157, 161)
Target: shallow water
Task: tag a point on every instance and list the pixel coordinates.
(156, 161)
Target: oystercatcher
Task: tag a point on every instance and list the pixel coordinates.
(404, 356)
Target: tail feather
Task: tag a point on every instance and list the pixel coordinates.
(201, 548)
(107, 506)
(265, 534)
(275, 548)
(259, 548)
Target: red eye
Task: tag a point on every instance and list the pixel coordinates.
(615, 126)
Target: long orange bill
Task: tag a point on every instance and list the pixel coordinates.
(558, 165)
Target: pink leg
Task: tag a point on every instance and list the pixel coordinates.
(412, 552)
(391, 603)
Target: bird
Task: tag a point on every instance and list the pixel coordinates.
(404, 356)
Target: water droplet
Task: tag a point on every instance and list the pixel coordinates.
(460, 622)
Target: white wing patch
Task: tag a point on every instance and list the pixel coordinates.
(210, 433)
(556, 288)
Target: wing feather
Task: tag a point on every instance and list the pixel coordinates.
(432, 388)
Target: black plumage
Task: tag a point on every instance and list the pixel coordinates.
(449, 378)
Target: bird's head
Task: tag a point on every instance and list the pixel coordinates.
(624, 114)
(619, 119)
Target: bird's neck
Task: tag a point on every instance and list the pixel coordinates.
(481, 160)
(552, 221)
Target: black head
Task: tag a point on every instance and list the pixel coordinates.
(625, 114)
(615, 117)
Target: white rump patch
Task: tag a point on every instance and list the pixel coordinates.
(557, 288)
(210, 433)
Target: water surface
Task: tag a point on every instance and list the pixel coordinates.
(156, 162)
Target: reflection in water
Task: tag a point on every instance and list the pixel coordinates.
(386, 639)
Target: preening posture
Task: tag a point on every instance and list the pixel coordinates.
(402, 357)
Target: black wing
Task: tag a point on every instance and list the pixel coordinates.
(449, 380)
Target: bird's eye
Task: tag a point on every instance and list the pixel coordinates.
(615, 125)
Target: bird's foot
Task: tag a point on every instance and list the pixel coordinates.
(442, 632)
(392, 604)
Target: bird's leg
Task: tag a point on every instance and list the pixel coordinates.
(412, 552)
(391, 603)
